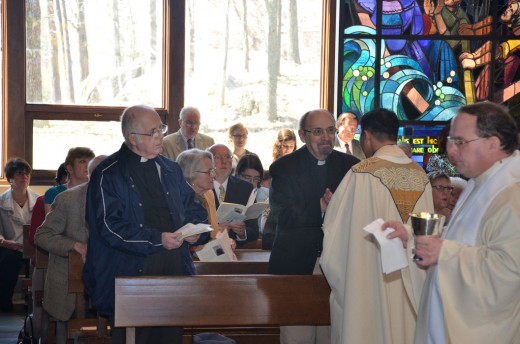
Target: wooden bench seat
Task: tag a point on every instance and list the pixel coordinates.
(214, 301)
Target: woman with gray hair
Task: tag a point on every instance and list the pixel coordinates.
(198, 168)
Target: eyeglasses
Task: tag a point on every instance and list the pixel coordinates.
(208, 172)
(250, 179)
(163, 128)
(461, 142)
(349, 129)
(223, 157)
(192, 124)
(441, 188)
(321, 131)
(239, 137)
(22, 173)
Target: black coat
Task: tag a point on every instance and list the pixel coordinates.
(295, 208)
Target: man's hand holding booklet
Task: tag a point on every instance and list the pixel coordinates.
(190, 229)
(231, 213)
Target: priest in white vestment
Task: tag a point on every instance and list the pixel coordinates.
(472, 290)
(368, 306)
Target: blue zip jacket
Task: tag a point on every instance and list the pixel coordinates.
(119, 241)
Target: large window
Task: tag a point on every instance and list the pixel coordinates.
(90, 53)
(253, 62)
(94, 52)
(73, 66)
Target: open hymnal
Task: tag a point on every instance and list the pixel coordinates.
(232, 213)
(218, 250)
(190, 229)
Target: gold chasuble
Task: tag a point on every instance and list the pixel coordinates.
(405, 183)
(368, 306)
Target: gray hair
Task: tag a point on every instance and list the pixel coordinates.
(344, 116)
(129, 119)
(216, 145)
(190, 161)
(188, 109)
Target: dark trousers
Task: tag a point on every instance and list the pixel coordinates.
(10, 264)
(145, 335)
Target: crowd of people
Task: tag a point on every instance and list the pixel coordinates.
(121, 213)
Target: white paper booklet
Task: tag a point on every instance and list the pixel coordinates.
(218, 250)
(190, 229)
(393, 254)
(232, 213)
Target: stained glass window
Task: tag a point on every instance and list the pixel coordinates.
(425, 58)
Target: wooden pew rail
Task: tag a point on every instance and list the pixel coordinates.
(232, 300)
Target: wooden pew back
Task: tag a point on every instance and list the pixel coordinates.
(252, 255)
(28, 247)
(233, 300)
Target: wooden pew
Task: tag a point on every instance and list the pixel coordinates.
(252, 261)
(251, 255)
(81, 326)
(232, 300)
(230, 268)
(28, 247)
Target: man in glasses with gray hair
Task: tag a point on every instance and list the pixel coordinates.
(302, 185)
(137, 199)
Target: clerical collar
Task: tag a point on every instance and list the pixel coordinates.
(317, 162)
(134, 157)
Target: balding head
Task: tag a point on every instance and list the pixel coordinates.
(94, 162)
(143, 131)
(130, 119)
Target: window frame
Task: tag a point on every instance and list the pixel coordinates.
(19, 116)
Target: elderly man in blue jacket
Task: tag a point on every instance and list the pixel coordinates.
(137, 199)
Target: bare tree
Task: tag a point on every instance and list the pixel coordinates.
(226, 49)
(153, 32)
(273, 56)
(191, 21)
(293, 29)
(116, 81)
(34, 93)
(61, 14)
(82, 42)
(245, 32)
(278, 35)
(53, 37)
